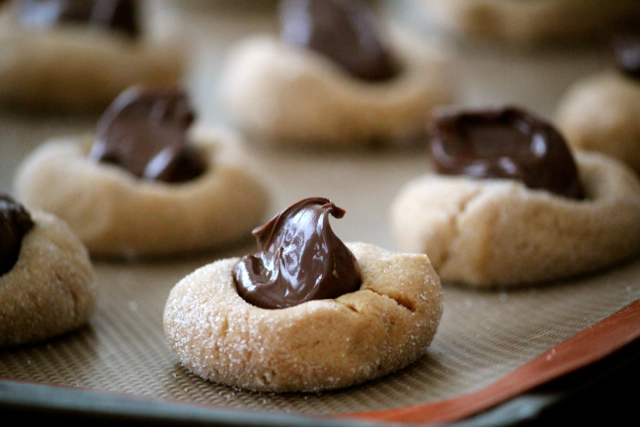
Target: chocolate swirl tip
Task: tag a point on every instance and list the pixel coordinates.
(145, 132)
(298, 259)
(344, 31)
(15, 223)
(504, 143)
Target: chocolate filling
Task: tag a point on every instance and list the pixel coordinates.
(118, 15)
(15, 222)
(504, 143)
(626, 47)
(298, 259)
(145, 132)
(342, 30)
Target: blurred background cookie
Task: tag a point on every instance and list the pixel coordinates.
(148, 182)
(334, 78)
(601, 112)
(510, 205)
(527, 23)
(77, 55)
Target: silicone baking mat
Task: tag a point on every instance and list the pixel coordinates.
(484, 337)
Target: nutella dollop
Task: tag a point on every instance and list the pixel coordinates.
(626, 47)
(298, 259)
(344, 31)
(504, 143)
(119, 15)
(15, 222)
(145, 132)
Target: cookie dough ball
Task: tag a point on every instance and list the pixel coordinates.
(317, 345)
(285, 94)
(526, 23)
(75, 67)
(51, 289)
(118, 214)
(602, 113)
(498, 232)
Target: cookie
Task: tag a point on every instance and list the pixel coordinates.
(318, 345)
(511, 205)
(194, 190)
(307, 92)
(50, 288)
(527, 23)
(499, 232)
(70, 66)
(602, 113)
(357, 312)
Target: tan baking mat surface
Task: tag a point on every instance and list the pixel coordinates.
(483, 336)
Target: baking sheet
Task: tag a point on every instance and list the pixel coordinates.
(484, 335)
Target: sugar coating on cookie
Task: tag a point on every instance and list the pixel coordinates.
(51, 289)
(602, 113)
(117, 214)
(317, 345)
(285, 94)
(498, 232)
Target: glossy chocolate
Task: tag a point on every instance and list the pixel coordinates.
(344, 31)
(119, 15)
(298, 259)
(145, 132)
(627, 52)
(504, 143)
(15, 222)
